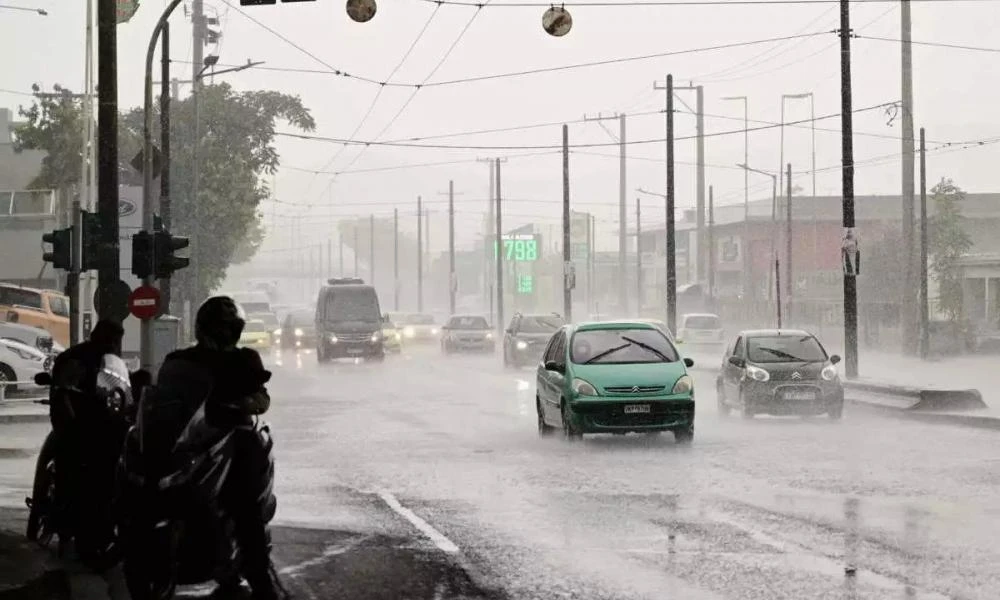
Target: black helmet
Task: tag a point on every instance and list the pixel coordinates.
(219, 322)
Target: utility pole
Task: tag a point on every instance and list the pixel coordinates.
(622, 210)
(788, 239)
(371, 248)
(73, 278)
(590, 261)
(671, 243)
(88, 160)
(165, 213)
(745, 243)
(499, 254)
(340, 240)
(638, 257)
(451, 248)
(909, 314)
(107, 150)
(711, 245)
(355, 246)
(569, 270)
(847, 159)
(395, 259)
(198, 57)
(420, 255)
(777, 285)
(924, 300)
(329, 258)
(487, 234)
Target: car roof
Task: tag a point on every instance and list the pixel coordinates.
(621, 324)
(38, 331)
(774, 332)
(685, 315)
(467, 316)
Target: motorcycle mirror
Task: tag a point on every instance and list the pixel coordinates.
(43, 379)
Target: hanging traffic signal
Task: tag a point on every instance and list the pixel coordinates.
(61, 256)
(164, 246)
(142, 254)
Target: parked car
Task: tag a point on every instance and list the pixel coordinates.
(614, 377)
(47, 309)
(700, 328)
(779, 372)
(21, 362)
(526, 337)
(464, 333)
(35, 337)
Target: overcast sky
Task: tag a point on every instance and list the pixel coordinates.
(955, 97)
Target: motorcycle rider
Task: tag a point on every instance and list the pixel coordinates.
(238, 394)
(87, 442)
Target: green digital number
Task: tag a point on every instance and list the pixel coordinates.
(532, 250)
(519, 252)
(509, 248)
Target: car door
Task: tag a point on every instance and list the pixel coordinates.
(550, 382)
(734, 374)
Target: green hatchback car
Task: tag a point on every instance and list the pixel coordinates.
(614, 377)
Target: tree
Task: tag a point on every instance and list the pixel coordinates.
(948, 242)
(235, 152)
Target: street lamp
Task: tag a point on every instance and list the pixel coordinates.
(746, 190)
(812, 126)
(40, 11)
(774, 204)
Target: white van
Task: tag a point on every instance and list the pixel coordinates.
(700, 328)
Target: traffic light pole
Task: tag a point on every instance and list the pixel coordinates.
(107, 148)
(73, 278)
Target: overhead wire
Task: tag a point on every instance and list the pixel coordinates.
(639, 4)
(931, 44)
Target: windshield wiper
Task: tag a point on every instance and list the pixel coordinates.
(783, 354)
(646, 346)
(606, 353)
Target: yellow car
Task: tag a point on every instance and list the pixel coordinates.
(256, 334)
(392, 337)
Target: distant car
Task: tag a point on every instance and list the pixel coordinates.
(467, 333)
(779, 372)
(526, 337)
(21, 362)
(700, 328)
(298, 330)
(270, 320)
(614, 377)
(348, 321)
(36, 337)
(418, 327)
(256, 335)
(392, 336)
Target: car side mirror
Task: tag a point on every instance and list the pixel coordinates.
(689, 362)
(736, 361)
(43, 379)
(834, 359)
(551, 365)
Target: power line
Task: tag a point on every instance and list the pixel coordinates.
(632, 4)
(932, 44)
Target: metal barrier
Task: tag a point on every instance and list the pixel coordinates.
(3, 391)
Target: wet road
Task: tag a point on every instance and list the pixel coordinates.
(433, 463)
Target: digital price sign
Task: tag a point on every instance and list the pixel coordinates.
(524, 247)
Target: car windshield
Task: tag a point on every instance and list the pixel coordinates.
(353, 304)
(267, 319)
(301, 318)
(468, 323)
(540, 323)
(11, 296)
(417, 320)
(784, 348)
(255, 327)
(702, 322)
(255, 308)
(620, 346)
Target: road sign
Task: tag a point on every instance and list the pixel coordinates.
(144, 302)
(125, 10)
(138, 162)
(116, 297)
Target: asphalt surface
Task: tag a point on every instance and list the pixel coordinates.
(424, 477)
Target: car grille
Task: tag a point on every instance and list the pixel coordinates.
(635, 389)
(639, 420)
(787, 376)
(354, 337)
(781, 390)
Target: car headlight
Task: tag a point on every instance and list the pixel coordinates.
(376, 337)
(277, 332)
(399, 338)
(522, 345)
(489, 336)
(27, 355)
(333, 339)
(584, 388)
(408, 332)
(434, 331)
(684, 385)
(829, 373)
(299, 332)
(757, 374)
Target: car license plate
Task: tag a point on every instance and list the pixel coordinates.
(636, 408)
(355, 351)
(800, 395)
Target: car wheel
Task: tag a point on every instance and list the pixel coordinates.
(720, 398)
(6, 375)
(684, 435)
(836, 413)
(746, 411)
(321, 355)
(544, 429)
(569, 431)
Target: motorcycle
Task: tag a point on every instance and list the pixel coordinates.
(175, 530)
(48, 514)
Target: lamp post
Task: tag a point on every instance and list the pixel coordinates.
(39, 11)
(774, 201)
(746, 191)
(812, 127)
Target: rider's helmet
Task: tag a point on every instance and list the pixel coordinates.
(219, 322)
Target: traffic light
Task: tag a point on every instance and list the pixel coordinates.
(164, 246)
(142, 254)
(91, 258)
(61, 256)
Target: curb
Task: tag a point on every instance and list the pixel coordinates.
(15, 418)
(922, 398)
(970, 420)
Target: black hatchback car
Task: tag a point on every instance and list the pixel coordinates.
(526, 337)
(779, 372)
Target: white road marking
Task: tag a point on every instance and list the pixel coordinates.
(328, 552)
(443, 543)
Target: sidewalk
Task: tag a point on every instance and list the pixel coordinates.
(22, 411)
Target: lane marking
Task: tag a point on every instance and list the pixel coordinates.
(443, 543)
(328, 553)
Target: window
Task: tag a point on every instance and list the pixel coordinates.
(417, 320)
(617, 346)
(540, 324)
(551, 351)
(559, 350)
(468, 323)
(12, 296)
(784, 348)
(738, 349)
(301, 317)
(702, 322)
(352, 304)
(255, 327)
(59, 306)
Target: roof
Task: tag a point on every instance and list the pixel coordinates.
(700, 315)
(467, 316)
(773, 332)
(605, 325)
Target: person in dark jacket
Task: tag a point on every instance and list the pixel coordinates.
(88, 442)
(238, 394)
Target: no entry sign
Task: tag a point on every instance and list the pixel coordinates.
(144, 302)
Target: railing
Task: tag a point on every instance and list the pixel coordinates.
(33, 398)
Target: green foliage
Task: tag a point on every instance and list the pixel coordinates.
(235, 151)
(948, 242)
